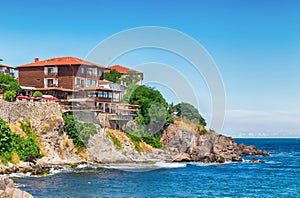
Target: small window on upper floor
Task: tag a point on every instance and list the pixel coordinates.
(82, 70)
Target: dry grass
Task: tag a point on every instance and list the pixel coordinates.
(15, 128)
(146, 147)
(15, 159)
(191, 126)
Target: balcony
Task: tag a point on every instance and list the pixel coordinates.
(50, 75)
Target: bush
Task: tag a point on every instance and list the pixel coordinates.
(14, 147)
(37, 94)
(9, 83)
(79, 132)
(188, 111)
(115, 140)
(10, 96)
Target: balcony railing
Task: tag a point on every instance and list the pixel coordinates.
(51, 75)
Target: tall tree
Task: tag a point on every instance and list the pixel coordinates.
(189, 112)
(113, 75)
(130, 77)
(9, 83)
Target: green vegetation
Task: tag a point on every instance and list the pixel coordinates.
(37, 94)
(150, 101)
(155, 115)
(131, 77)
(115, 140)
(113, 75)
(14, 147)
(136, 141)
(79, 132)
(9, 83)
(188, 111)
(10, 96)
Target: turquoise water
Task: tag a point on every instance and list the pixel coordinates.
(277, 177)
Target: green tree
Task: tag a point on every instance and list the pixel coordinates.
(113, 75)
(9, 83)
(153, 115)
(189, 112)
(130, 77)
(145, 97)
(37, 94)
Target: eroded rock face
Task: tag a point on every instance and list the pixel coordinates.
(210, 147)
(251, 150)
(7, 189)
(102, 149)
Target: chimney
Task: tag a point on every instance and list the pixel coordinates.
(36, 59)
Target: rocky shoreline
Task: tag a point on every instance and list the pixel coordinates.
(8, 189)
(180, 145)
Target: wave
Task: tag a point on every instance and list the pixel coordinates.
(144, 167)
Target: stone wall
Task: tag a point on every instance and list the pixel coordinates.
(39, 113)
(47, 122)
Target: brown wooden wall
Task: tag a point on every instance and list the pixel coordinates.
(34, 76)
(66, 77)
(31, 76)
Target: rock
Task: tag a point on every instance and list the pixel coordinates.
(8, 190)
(254, 160)
(251, 151)
(182, 157)
(210, 147)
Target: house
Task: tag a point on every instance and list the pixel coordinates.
(79, 85)
(125, 72)
(5, 69)
(60, 76)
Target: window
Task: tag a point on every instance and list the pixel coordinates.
(99, 72)
(109, 95)
(105, 94)
(82, 83)
(50, 70)
(88, 82)
(94, 71)
(89, 71)
(82, 70)
(94, 82)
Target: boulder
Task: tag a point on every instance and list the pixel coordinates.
(251, 151)
(8, 190)
(255, 160)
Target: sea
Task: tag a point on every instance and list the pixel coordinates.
(279, 176)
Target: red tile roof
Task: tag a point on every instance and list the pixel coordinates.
(3, 65)
(121, 69)
(68, 60)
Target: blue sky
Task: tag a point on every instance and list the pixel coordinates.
(255, 44)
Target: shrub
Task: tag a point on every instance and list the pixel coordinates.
(14, 147)
(115, 140)
(79, 132)
(136, 141)
(37, 94)
(10, 96)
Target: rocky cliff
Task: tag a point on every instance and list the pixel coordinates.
(209, 147)
(179, 144)
(47, 122)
